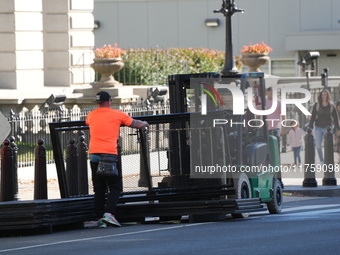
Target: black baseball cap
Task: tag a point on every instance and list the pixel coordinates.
(102, 96)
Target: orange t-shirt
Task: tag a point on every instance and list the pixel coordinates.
(104, 123)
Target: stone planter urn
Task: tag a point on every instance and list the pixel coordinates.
(107, 67)
(254, 60)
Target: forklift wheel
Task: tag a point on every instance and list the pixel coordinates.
(275, 206)
(242, 188)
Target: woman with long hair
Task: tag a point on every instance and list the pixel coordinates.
(324, 115)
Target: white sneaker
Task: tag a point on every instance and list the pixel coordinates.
(110, 219)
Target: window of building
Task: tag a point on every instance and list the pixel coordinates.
(283, 68)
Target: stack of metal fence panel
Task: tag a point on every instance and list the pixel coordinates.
(179, 208)
(44, 215)
(17, 215)
(71, 210)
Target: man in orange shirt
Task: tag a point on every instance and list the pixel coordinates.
(104, 124)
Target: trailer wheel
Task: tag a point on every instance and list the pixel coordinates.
(275, 206)
(242, 188)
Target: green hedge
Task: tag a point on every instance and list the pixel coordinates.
(152, 66)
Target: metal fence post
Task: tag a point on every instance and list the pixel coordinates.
(7, 176)
(72, 167)
(328, 168)
(82, 166)
(143, 175)
(277, 135)
(40, 171)
(284, 143)
(15, 166)
(309, 173)
(119, 163)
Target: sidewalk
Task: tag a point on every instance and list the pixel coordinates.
(26, 183)
(294, 177)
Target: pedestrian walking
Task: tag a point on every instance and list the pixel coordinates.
(295, 140)
(104, 124)
(324, 115)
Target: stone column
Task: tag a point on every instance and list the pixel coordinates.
(21, 45)
(68, 42)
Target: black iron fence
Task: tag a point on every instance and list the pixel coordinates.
(27, 127)
(294, 113)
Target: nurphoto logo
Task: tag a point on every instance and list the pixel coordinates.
(232, 109)
(213, 94)
(238, 99)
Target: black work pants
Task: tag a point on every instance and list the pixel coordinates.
(101, 185)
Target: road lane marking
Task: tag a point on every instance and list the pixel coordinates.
(311, 213)
(305, 212)
(101, 237)
(308, 207)
(298, 208)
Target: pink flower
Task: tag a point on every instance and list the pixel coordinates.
(109, 51)
(256, 48)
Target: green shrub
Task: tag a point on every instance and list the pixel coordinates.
(152, 66)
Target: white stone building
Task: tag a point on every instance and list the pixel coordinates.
(45, 48)
(290, 27)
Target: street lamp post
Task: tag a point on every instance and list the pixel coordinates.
(228, 9)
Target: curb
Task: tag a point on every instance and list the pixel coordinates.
(321, 191)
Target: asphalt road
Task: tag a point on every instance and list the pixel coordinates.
(307, 226)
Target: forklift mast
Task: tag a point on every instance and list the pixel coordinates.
(185, 96)
(180, 83)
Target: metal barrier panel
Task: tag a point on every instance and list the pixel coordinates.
(157, 159)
